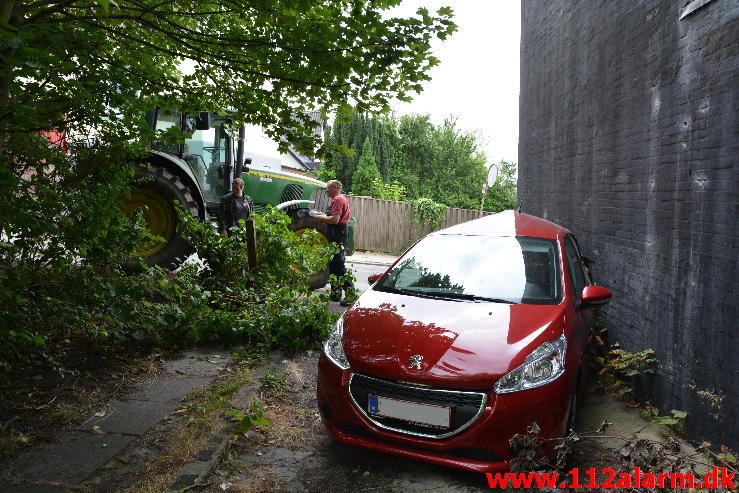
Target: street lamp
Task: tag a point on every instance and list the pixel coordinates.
(489, 182)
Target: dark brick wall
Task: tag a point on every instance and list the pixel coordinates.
(628, 136)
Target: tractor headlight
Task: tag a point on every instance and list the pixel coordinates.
(544, 365)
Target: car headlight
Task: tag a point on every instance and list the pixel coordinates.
(334, 348)
(544, 365)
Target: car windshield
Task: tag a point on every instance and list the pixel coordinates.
(479, 268)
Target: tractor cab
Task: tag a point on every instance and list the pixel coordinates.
(209, 149)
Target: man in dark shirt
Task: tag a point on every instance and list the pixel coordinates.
(234, 206)
(337, 220)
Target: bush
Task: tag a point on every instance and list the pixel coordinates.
(54, 307)
(429, 212)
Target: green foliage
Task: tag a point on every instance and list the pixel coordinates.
(366, 175)
(75, 82)
(246, 418)
(417, 159)
(502, 195)
(271, 307)
(285, 259)
(725, 456)
(674, 418)
(63, 228)
(349, 135)
(620, 371)
(274, 382)
(428, 212)
(442, 162)
(389, 191)
(627, 364)
(89, 63)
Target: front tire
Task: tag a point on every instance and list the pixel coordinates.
(301, 221)
(154, 191)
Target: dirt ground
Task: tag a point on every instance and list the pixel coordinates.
(296, 453)
(293, 453)
(37, 403)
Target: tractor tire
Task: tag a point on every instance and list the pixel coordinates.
(154, 191)
(302, 221)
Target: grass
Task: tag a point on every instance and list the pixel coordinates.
(202, 417)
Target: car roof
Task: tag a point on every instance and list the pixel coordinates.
(507, 223)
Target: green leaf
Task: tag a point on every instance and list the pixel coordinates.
(727, 457)
(104, 6)
(261, 421)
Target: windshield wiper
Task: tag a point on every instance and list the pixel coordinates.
(454, 296)
(387, 289)
(444, 295)
(473, 297)
(494, 300)
(409, 292)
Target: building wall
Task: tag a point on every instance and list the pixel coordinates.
(261, 149)
(628, 136)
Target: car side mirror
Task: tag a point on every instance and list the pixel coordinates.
(595, 295)
(373, 278)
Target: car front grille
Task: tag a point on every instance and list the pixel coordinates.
(465, 406)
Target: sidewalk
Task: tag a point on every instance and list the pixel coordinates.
(371, 258)
(116, 429)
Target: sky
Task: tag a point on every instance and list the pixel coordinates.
(477, 80)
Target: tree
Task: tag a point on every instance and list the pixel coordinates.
(89, 70)
(366, 176)
(439, 162)
(351, 136)
(422, 160)
(502, 195)
(263, 60)
(77, 77)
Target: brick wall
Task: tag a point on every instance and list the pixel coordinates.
(628, 136)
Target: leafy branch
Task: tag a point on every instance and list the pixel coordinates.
(428, 212)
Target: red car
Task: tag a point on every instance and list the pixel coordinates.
(476, 332)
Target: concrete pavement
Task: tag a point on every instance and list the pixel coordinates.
(71, 458)
(370, 258)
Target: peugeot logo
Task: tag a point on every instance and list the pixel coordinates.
(415, 361)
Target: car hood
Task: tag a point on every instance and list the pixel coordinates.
(459, 344)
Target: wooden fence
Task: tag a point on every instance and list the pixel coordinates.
(389, 226)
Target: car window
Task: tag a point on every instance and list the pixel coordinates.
(511, 269)
(576, 266)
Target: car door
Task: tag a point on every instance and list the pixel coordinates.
(579, 278)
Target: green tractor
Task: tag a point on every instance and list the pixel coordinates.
(198, 172)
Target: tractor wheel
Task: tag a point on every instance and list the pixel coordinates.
(301, 221)
(154, 191)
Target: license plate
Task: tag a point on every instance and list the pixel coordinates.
(413, 412)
